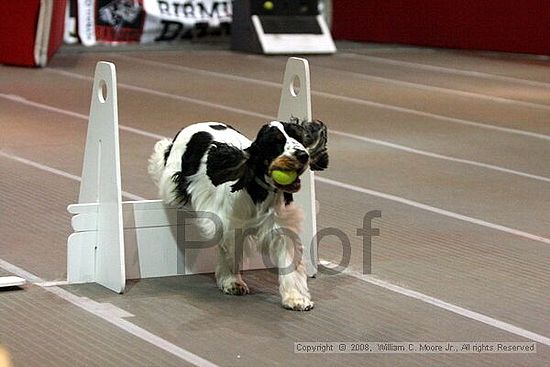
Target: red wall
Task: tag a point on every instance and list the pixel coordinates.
(502, 25)
(18, 23)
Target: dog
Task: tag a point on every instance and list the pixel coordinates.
(211, 167)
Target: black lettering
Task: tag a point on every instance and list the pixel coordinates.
(164, 7)
(225, 7)
(176, 9)
(204, 12)
(188, 10)
(170, 30)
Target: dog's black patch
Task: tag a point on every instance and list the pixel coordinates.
(225, 163)
(218, 126)
(320, 162)
(169, 148)
(294, 131)
(316, 142)
(190, 162)
(288, 198)
(228, 163)
(167, 153)
(269, 144)
(257, 193)
(234, 129)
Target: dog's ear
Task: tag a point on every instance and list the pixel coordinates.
(295, 130)
(226, 163)
(315, 141)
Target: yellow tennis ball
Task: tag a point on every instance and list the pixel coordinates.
(284, 177)
(268, 5)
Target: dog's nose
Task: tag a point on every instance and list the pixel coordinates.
(302, 156)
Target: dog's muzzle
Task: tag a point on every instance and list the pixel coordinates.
(290, 188)
(298, 163)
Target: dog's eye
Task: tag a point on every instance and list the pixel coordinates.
(280, 138)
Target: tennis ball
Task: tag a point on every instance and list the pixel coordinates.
(268, 5)
(284, 177)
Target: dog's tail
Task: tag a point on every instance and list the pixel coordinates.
(157, 160)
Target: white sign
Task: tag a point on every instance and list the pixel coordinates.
(123, 21)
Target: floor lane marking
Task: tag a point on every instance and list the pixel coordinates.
(388, 144)
(387, 285)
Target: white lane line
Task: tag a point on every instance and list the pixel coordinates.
(447, 213)
(403, 200)
(343, 185)
(55, 171)
(379, 79)
(335, 132)
(442, 304)
(20, 272)
(432, 88)
(443, 157)
(407, 292)
(345, 99)
(442, 69)
(162, 94)
(200, 71)
(111, 314)
(330, 95)
(439, 117)
(40, 166)
(19, 99)
(52, 283)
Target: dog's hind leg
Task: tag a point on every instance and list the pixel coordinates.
(228, 274)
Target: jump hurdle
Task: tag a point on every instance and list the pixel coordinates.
(115, 240)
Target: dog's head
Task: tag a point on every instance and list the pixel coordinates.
(284, 146)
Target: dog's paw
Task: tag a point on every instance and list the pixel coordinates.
(235, 288)
(298, 303)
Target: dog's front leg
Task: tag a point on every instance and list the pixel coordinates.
(228, 274)
(292, 274)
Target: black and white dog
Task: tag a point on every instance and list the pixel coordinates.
(215, 169)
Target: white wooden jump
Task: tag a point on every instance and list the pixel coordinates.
(11, 281)
(115, 240)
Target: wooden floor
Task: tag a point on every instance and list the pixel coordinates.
(453, 148)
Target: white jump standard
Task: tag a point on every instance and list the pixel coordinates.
(114, 240)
